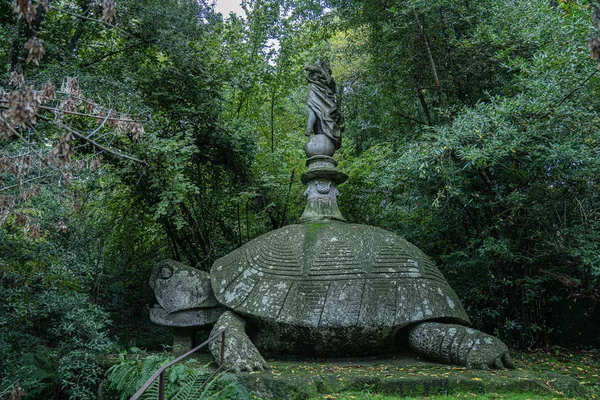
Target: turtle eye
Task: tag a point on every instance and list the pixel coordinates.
(166, 272)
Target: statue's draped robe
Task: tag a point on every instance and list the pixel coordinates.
(322, 101)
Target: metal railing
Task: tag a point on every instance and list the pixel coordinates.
(161, 371)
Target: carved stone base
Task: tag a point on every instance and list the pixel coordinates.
(319, 209)
(322, 178)
(183, 340)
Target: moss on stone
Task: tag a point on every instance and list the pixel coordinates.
(401, 377)
(311, 234)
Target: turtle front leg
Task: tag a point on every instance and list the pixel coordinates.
(457, 344)
(240, 354)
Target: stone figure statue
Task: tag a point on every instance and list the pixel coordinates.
(324, 287)
(324, 115)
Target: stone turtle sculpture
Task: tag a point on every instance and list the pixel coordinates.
(325, 287)
(339, 289)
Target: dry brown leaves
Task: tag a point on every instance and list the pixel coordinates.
(136, 130)
(17, 393)
(28, 10)
(96, 163)
(108, 11)
(16, 79)
(30, 193)
(20, 109)
(68, 105)
(63, 151)
(48, 92)
(33, 230)
(5, 133)
(24, 101)
(6, 204)
(67, 177)
(22, 106)
(71, 87)
(23, 168)
(131, 127)
(24, 8)
(6, 164)
(36, 50)
(75, 96)
(91, 107)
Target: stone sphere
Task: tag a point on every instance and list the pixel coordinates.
(319, 145)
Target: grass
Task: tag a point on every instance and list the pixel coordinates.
(462, 396)
(583, 365)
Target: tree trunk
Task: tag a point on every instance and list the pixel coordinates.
(79, 30)
(16, 55)
(436, 80)
(272, 120)
(419, 86)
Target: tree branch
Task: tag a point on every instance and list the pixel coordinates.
(576, 88)
(62, 10)
(56, 109)
(410, 118)
(112, 53)
(97, 145)
(27, 181)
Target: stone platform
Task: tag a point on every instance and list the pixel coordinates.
(402, 375)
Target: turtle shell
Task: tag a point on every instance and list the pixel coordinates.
(334, 275)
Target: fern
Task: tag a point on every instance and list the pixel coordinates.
(183, 381)
(152, 392)
(192, 385)
(129, 375)
(223, 387)
(120, 378)
(232, 389)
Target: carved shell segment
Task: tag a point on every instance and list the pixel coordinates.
(334, 275)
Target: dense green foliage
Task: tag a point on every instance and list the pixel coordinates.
(471, 129)
(183, 381)
(497, 178)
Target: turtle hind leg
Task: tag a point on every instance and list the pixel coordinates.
(457, 344)
(239, 353)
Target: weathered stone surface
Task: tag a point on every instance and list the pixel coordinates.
(239, 353)
(183, 340)
(324, 115)
(460, 345)
(322, 204)
(332, 288)
(195, 317)
(178, 287)
(319, 145)
(186, 302)
(400, 376)
(322, 178)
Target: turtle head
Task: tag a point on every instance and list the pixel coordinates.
(178, 287)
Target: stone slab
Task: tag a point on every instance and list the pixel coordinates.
(402, 376)
(196, 317)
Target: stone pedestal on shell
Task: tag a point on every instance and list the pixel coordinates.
(322, 179)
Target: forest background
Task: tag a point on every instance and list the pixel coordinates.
(143, 130)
